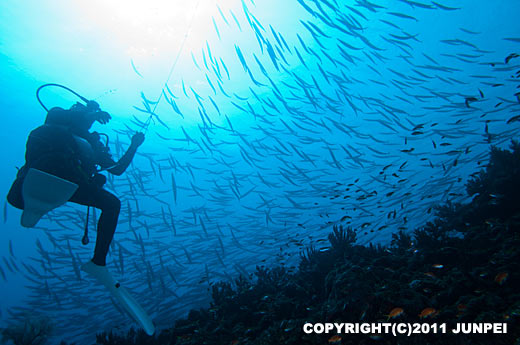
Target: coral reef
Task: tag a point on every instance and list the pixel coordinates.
(33, 331)
(460, 267)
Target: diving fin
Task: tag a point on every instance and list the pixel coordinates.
(121, 295)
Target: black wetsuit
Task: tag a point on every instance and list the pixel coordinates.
(58, 147)
(110, 206)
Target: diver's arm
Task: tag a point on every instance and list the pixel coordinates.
(76, 118)
(125, 161)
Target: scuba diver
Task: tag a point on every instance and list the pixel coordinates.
(64, 147)
(61, 164)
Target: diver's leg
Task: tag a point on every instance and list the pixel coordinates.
(110, 207)
(107, 223)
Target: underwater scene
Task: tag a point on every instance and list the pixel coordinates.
(260, 172)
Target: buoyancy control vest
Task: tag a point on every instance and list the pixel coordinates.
(54, 149)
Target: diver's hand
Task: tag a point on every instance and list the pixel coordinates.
(102, 117)
(137, 139)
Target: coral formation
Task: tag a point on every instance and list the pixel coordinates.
(460, 267)
(33, 331)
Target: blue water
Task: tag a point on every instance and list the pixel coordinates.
(385, 110)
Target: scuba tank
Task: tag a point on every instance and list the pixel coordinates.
(55, 150)
(85, 153)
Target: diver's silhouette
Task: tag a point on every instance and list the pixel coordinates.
(65, 147)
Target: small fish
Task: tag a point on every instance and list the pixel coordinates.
(402, 15)
(135, 69)
(468, 100)
(222, 15)
(427, 312)
(437, 266)
(11, 252)
(446, 8)
(195, 62)
(216, 28)
(396, 312)
(515, 118)
(469, 31)
(174, 189)
(184, 89)
(170, 91)
(241, 58)
(511, 56)
(3, 274)
(430, 274)
(336, 339)
(272, 54)
(501, 277)
(236, 20)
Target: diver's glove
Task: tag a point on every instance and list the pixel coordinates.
(137, 139)
(102, 117)
(97, 114)
(93, 106)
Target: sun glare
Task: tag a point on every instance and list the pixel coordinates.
(150, 28)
